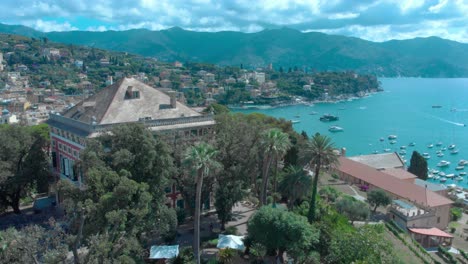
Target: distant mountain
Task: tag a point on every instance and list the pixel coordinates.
(419, 57)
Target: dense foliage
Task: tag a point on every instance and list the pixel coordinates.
(418, 165)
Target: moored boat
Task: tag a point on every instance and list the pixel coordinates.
(459, 178)
(441, 174)
(450, 175)
(393, 142)
(460, 167)
(392, 137)
(328, 118)
(443, 163)
(454, 151)
(452, 146)
(463, 173)
(430, 145)
(335, 129)
(412, 144)
(443, 179)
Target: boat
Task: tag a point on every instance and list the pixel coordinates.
(430, 176)
(387, 150)
(440, 154)
(392, 142)
(462, 163)
(426, 155)
(436, 106)
(313, 113)
(443, 163)
(381, 139)
(443, 149)
(295, 121)
(459, 178)
(450, 175)
(435, 171)
(328, 118)
(392, 137)
(452, 146)
(403, 147)
(436, 177)
(402, 152)
(438, 144)
(335, 129)
(412, 144)
(430, 146)
(375, 152)
(460, 167)
(441, 174)
(443, 179)
(463, 173)
(454, 151)
(297, 116)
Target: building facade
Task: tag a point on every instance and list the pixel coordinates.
(125, 102)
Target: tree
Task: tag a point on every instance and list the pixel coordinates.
(378, 197)
(319, 152)
(24, 164)
(352, 208)
(281, 231)
(418, 165)
(295, 184)
(227, 194)
(200, 159)
(274, 144)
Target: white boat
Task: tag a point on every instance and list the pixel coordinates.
(381, 139)
(442, 174)
(443, 149)
(452, 146)
(430, 146)
(426, 155)
(443, 179)
(454, 151)
(403, 147)
(392, 142)
(387, 150)
(430, 176)
(459, 178)
(335, 129)
(462, 163)
(440, 155)
(402, 152)
(295, 121)
(412, 144)
(313, 113)
(392, 137)
(450, 175)
(375, 152)
(437, 177)
(463, 173)
(443, 163)
(435, 171)
(460, 167)
(439, 144)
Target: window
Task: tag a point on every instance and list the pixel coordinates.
(438, 220)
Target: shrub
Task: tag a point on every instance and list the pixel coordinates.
(226, 256)
(335, 176)
(455, 213)
(181, 215)
(231, 230)
(453, 229)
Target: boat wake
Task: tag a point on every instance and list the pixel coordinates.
(448, 121)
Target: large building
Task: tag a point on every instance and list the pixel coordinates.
(414, 205)
(124, 102)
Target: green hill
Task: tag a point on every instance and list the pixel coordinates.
(424, 57)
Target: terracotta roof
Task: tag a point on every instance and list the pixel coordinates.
(393, 185)
(430, 232)
(401, 174)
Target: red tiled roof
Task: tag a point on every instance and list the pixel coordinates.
(401, 174)
(430, 232)
(400, 188)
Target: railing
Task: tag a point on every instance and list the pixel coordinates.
(90, 128)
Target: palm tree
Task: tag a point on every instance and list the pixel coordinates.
(200, 159)
(295, 184)
(274, 144)
(319, 152)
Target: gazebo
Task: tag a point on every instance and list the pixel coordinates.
(161, 253)
(431, 237)
(231, 241)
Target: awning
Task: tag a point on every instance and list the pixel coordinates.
(231, 241)
(164, 252)
(430, 232)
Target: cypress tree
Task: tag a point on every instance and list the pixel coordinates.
(418, 165)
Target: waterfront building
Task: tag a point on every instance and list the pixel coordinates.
(126, 101)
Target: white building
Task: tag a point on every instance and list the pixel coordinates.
(260, 77)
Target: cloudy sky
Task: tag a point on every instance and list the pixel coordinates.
(376, 20)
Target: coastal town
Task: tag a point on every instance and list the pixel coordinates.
(134, 160)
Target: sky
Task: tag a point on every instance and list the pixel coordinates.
(375, 20)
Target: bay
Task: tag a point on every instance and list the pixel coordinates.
(405, 109)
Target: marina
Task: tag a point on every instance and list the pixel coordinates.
(393, 112)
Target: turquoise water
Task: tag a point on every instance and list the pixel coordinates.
(403, 109)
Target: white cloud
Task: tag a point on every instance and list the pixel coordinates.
(48, 26)
(347, 15)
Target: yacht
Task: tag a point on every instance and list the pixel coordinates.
(392, 137)
(443, 149)
(335, 129)
(450, 175)
(430, 146)
(443, 179)
(387, 150)
(297, 116)
(412, 144)
(381, 139)
(295, 121)
(403, 147)
(443, 163)
(426, 155)
(430, 176)
(462, 163)
(328, 118)
(402, 152)
(313, 113)
(454, 151)
(441, 174)
(460, 167)
(440, 154)
(452, 146)
(437, 177)
(459, 178)
(438, 144)
(435, 171)
(463, 173)
(392, 142)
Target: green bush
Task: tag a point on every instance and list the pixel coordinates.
(452, 230)
(231, 230)
(463, 253)
(226, 256)
(181, 215)
(455, 213)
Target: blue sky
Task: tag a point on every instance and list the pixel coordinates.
(376, 20)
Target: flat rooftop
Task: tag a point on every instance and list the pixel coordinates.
(380, 161)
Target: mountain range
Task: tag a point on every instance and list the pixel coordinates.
(418, 57)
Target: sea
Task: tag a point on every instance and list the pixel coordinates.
(419, 110)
